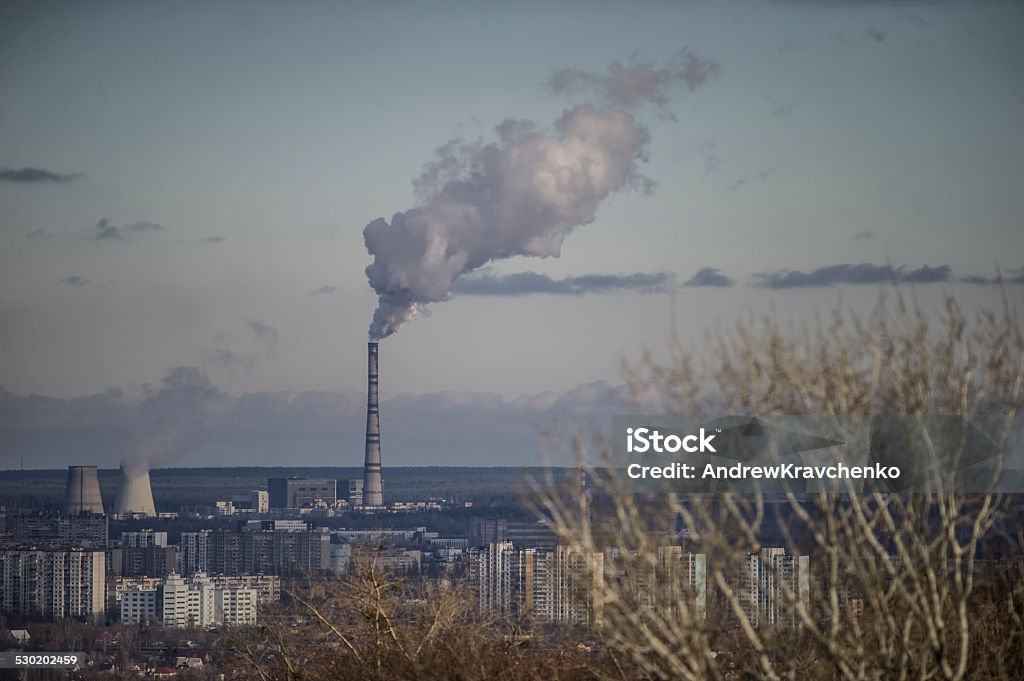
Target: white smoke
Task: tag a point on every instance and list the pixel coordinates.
(518, 196)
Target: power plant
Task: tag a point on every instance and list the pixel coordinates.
(82, 492)
(373, 490)
(135, 495)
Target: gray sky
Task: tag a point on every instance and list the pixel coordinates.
(187, 184)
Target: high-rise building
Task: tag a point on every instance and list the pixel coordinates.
(55, 583)
(770, 584)
(275, 552)
(549, 585)
(143, 538)
(194, 552)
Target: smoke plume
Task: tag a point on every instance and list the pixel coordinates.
(521, 195)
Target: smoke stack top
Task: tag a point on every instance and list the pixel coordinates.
(521, 195)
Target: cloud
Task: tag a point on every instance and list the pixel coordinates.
(783, 108)
(863, 273)
(224, 357)
(75, 281)
(528, 283)
(186, 420)
(1013, 276)
(914, 19)
(637, 82)
(323, 291)
(747, 179)
(265, 334)
(875, 34)
(37, 176)
(709, 276)
(106, 230)
(213, 240)
(864, 234)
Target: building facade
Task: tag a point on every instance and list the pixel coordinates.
(58, 583)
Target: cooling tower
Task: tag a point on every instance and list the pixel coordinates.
(82, 492)
(135, 496)
(373, 490)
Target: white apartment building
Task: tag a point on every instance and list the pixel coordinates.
(61, 583)
(556, 586)
(197, 602)
(139, 606)
(770, 584)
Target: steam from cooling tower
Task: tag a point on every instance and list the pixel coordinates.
(521, 195)
(173, 419)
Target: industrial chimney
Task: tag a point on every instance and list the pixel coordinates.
(82, 493)
(373, 491)
(135, 496)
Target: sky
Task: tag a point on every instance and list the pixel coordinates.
(191, 194)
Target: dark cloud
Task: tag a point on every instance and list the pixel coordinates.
(75, 281)
(187, 421)
(915, 20)
(527, 283)
(875, 34)
(224, 357)
(637, 82)
(1012, 276)
(106, 230)
(709, 152)
(143, 226)
(213, 240)
(709, 276)
(747, 179)
(863, 273)
(37, 176)
(323, 291)
(265, 334)
(864, 234)
(783, 108)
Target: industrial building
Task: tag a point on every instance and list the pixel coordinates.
(284, 493)
(56, 583)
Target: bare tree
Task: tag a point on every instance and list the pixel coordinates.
(890, 588)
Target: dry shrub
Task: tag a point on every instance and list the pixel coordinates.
(374, 625)
(895, 589)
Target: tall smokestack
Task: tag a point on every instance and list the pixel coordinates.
(82, 492)
(373, 491)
